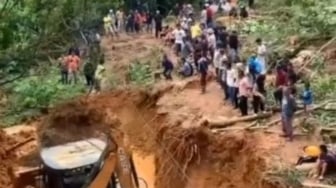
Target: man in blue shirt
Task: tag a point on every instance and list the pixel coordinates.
(254, 67)
(307, 96)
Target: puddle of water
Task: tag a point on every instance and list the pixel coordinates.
(145, 168)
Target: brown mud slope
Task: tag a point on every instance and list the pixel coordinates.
(181, 154)
(195, 157)
(6, 159)
(95, 116)
(8, 155)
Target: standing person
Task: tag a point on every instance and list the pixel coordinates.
(235, 86)
(158, 23)
(291, 74)
(137, 21)
(230, 80)
(244, 88)
(149, 21)
(261, 54)
(187, 47)
(120, 19)
(130, 22)
(73, 62)
(195, 30)
(209, 16)
(89, 72)
(259, 98)
(205, 45)
(197, 52)
(233, 46)
(64, 68)
(203, 69)
(204, 15)
(254, 67)
(113, 22)
(179, 34)
(167, 67)
(223, 72)
(219, 57)
(99, 75)
(287, 113)
(222, 37)
(108, 25)
(211, 42)
(280, 82)
(307, 96)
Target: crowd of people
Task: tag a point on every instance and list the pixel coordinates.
(207, 48)
(204, 46)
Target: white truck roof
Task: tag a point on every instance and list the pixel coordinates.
(74, 154)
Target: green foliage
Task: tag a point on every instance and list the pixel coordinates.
(281, 19)
(31, 31)
(324, 87)
(141, 73)
(38, 92)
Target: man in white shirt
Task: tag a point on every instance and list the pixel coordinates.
(204, 14)
(179, 34)
(218, 57)
(211, 42)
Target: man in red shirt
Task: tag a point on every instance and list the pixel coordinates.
(281, 80)
(73, 63)
(209, 14)
(137, 21)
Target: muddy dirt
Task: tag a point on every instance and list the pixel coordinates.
(162, 123)
(5, 159)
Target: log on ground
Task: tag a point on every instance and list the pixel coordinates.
(225, 123)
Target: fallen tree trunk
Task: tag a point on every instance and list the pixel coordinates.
(249, 126)
(298, 113)
(316, 185)
(225, 123)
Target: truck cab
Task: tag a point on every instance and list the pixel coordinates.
(74, 164)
